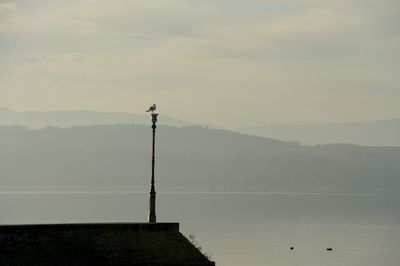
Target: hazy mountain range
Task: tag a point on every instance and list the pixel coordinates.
(41, 119)
(195, 158)
(379, 133)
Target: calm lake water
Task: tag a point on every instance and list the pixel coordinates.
(240, 229)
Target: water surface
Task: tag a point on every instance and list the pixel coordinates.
(239, 229)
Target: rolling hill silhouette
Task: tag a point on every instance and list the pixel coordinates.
(188, 158)
(379, 133)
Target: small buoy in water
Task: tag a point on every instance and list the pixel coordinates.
(291, 248)
(329, 249)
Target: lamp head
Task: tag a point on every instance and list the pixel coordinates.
(154, 117)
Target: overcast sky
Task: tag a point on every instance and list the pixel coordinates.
(230, 63)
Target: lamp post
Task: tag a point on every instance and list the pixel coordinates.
(152, 197)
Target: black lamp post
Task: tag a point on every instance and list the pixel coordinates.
(152, 213)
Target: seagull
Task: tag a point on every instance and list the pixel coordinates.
(152, 108)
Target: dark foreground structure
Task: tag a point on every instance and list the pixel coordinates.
(144, 244)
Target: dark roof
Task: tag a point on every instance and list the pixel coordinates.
(144, 244)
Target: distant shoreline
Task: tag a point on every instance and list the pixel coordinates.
(108, 191)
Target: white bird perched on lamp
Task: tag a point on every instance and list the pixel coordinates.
(152, 108)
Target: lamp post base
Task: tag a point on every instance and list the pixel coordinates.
(152, 214)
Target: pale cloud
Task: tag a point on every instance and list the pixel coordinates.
(73, 57)
(7, 10)
(7, 7)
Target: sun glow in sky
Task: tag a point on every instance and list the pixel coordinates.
(229, 63)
